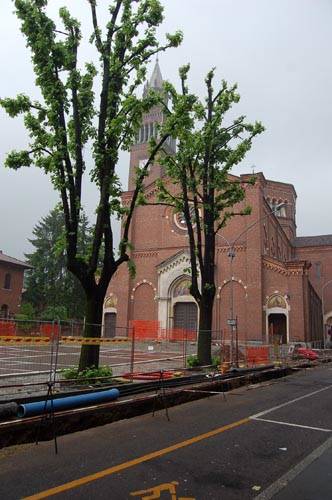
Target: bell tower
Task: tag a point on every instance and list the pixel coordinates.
(139, 152)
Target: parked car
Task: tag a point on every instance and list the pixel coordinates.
(305, 353)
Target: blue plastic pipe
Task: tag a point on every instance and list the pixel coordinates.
(32, 409)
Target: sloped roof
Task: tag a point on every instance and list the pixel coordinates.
(313, 241)
(11, 260)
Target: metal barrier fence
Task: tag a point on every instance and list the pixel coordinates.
(27, 350)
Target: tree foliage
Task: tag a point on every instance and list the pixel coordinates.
(198, 182)
(53, 291)
(71, 119)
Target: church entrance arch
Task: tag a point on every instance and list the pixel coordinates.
(277, 320)
(278, 328)
(110, 313)
(184, 307)
(174, 287)
(110, 324)
(185, 316)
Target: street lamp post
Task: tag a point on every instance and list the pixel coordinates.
(323, 288)
(231, 255)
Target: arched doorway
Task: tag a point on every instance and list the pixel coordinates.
(278, 328)
(110, 313)
(4, 311)
(277, 320)
(185, 315)
(110, 324)
(184, 307)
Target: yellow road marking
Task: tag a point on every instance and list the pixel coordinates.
(136, 461)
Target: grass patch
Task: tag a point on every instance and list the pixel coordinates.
(192, 361)
(89, 375)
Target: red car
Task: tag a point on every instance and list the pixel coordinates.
(304, 353)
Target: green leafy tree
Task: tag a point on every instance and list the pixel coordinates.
(50, 287)
(27, 311)
(69, 120)
(198, 183)
(54, 312)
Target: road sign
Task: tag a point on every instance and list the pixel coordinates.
(231, 322)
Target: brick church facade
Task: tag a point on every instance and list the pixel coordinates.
(273, 286)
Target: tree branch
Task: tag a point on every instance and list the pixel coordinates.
(99, 43)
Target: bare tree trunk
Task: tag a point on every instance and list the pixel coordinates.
(205, 329)
(93, 320)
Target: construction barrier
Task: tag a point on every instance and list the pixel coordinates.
(7, 328)
(257, 355)
(180, 335)
(49, 330)
(7, 339)
(92, 340)
(145, 329)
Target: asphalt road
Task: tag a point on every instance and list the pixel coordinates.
(250, 444)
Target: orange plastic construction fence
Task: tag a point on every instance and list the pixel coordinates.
(49, 330)
(144, 329)
(180, 334)
(258, 355)
(7, 328)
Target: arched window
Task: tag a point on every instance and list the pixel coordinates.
(266, 240)
(318, 270)
(7, 283)
(146, 134)
(151, 130)
(142, 135)
(281, 212)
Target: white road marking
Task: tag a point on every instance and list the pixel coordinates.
(290, 424)
(289, 402)
(284, 480)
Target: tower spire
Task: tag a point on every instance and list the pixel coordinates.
(156, 80)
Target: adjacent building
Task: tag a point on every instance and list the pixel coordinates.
(11, 284)
(276, 287)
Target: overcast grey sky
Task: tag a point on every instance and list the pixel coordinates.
(279, 53)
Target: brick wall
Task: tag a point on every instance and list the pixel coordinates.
(265, 263)
(12, 296)
(320, 272)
